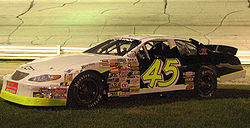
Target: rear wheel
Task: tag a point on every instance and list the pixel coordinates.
(205, 82)
(87, 90)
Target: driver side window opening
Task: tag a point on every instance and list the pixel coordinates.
(142, 54)
(160, 49)
(186, 48)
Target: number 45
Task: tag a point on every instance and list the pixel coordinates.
(153, 74)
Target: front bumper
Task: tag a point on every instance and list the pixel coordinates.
(33, 95)
(31, 101)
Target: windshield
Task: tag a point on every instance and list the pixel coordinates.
(114, 47)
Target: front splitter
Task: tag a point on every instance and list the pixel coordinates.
(31, 101)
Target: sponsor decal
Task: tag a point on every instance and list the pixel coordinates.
(203, 51)
(124, 80)
(65, 83)
(114, 86)
(116, 79)
(112, 64)
(124, 85)
(132, 60)
(135, 72)
(11, 87)
(138, 76)
(113, 94)
(124, 94)
(38, 94)
(189, 73)
(105, 60)
(131, 76)
(88, 65)
(68, 77)
(113, 60)
(56, 92)
(134, 85)
(59, 93)
(189, 79)
(114, 75)
(119, 65)
(190, 86)
(125, 69)
(134, 81)
(134, 76)
(133, 64)
(69, 70)
(110, 80)
(115, 70)
(121, 60)
(104, 64)
(124, 74)
(135, 68)
(27, 68)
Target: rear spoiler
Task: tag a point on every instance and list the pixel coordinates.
(222, 49)
(216, 48)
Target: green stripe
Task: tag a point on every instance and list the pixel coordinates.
(233, 73)
(31, 101)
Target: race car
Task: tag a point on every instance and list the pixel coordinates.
(121, 67)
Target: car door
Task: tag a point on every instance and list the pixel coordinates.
(160, 66)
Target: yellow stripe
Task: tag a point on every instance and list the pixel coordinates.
(233, 73)
(107, 69)
(165, 87)
(32, 101)
(173, 47)
(181, 85)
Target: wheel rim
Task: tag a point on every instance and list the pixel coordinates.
(87, 91)
(206, 84)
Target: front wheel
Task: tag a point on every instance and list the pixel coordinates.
(205, 82)
(87, 90)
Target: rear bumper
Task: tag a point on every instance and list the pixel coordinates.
(31, 101)
(232, 76)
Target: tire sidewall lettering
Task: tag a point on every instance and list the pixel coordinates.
(98, 98)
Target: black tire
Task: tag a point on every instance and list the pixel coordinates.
(205, 82)
(87, 90)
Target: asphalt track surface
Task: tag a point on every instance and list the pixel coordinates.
(84, 23)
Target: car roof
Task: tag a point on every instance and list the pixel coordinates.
(146, 37)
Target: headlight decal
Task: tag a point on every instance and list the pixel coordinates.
(44, 78)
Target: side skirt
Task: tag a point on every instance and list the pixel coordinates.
(153, 90)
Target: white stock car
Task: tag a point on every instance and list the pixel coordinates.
(122, 66)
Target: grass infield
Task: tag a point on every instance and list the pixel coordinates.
(228, 108)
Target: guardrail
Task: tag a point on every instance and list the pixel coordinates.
(244, 56)
(20, 52)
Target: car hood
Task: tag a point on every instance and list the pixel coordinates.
(64, 62)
